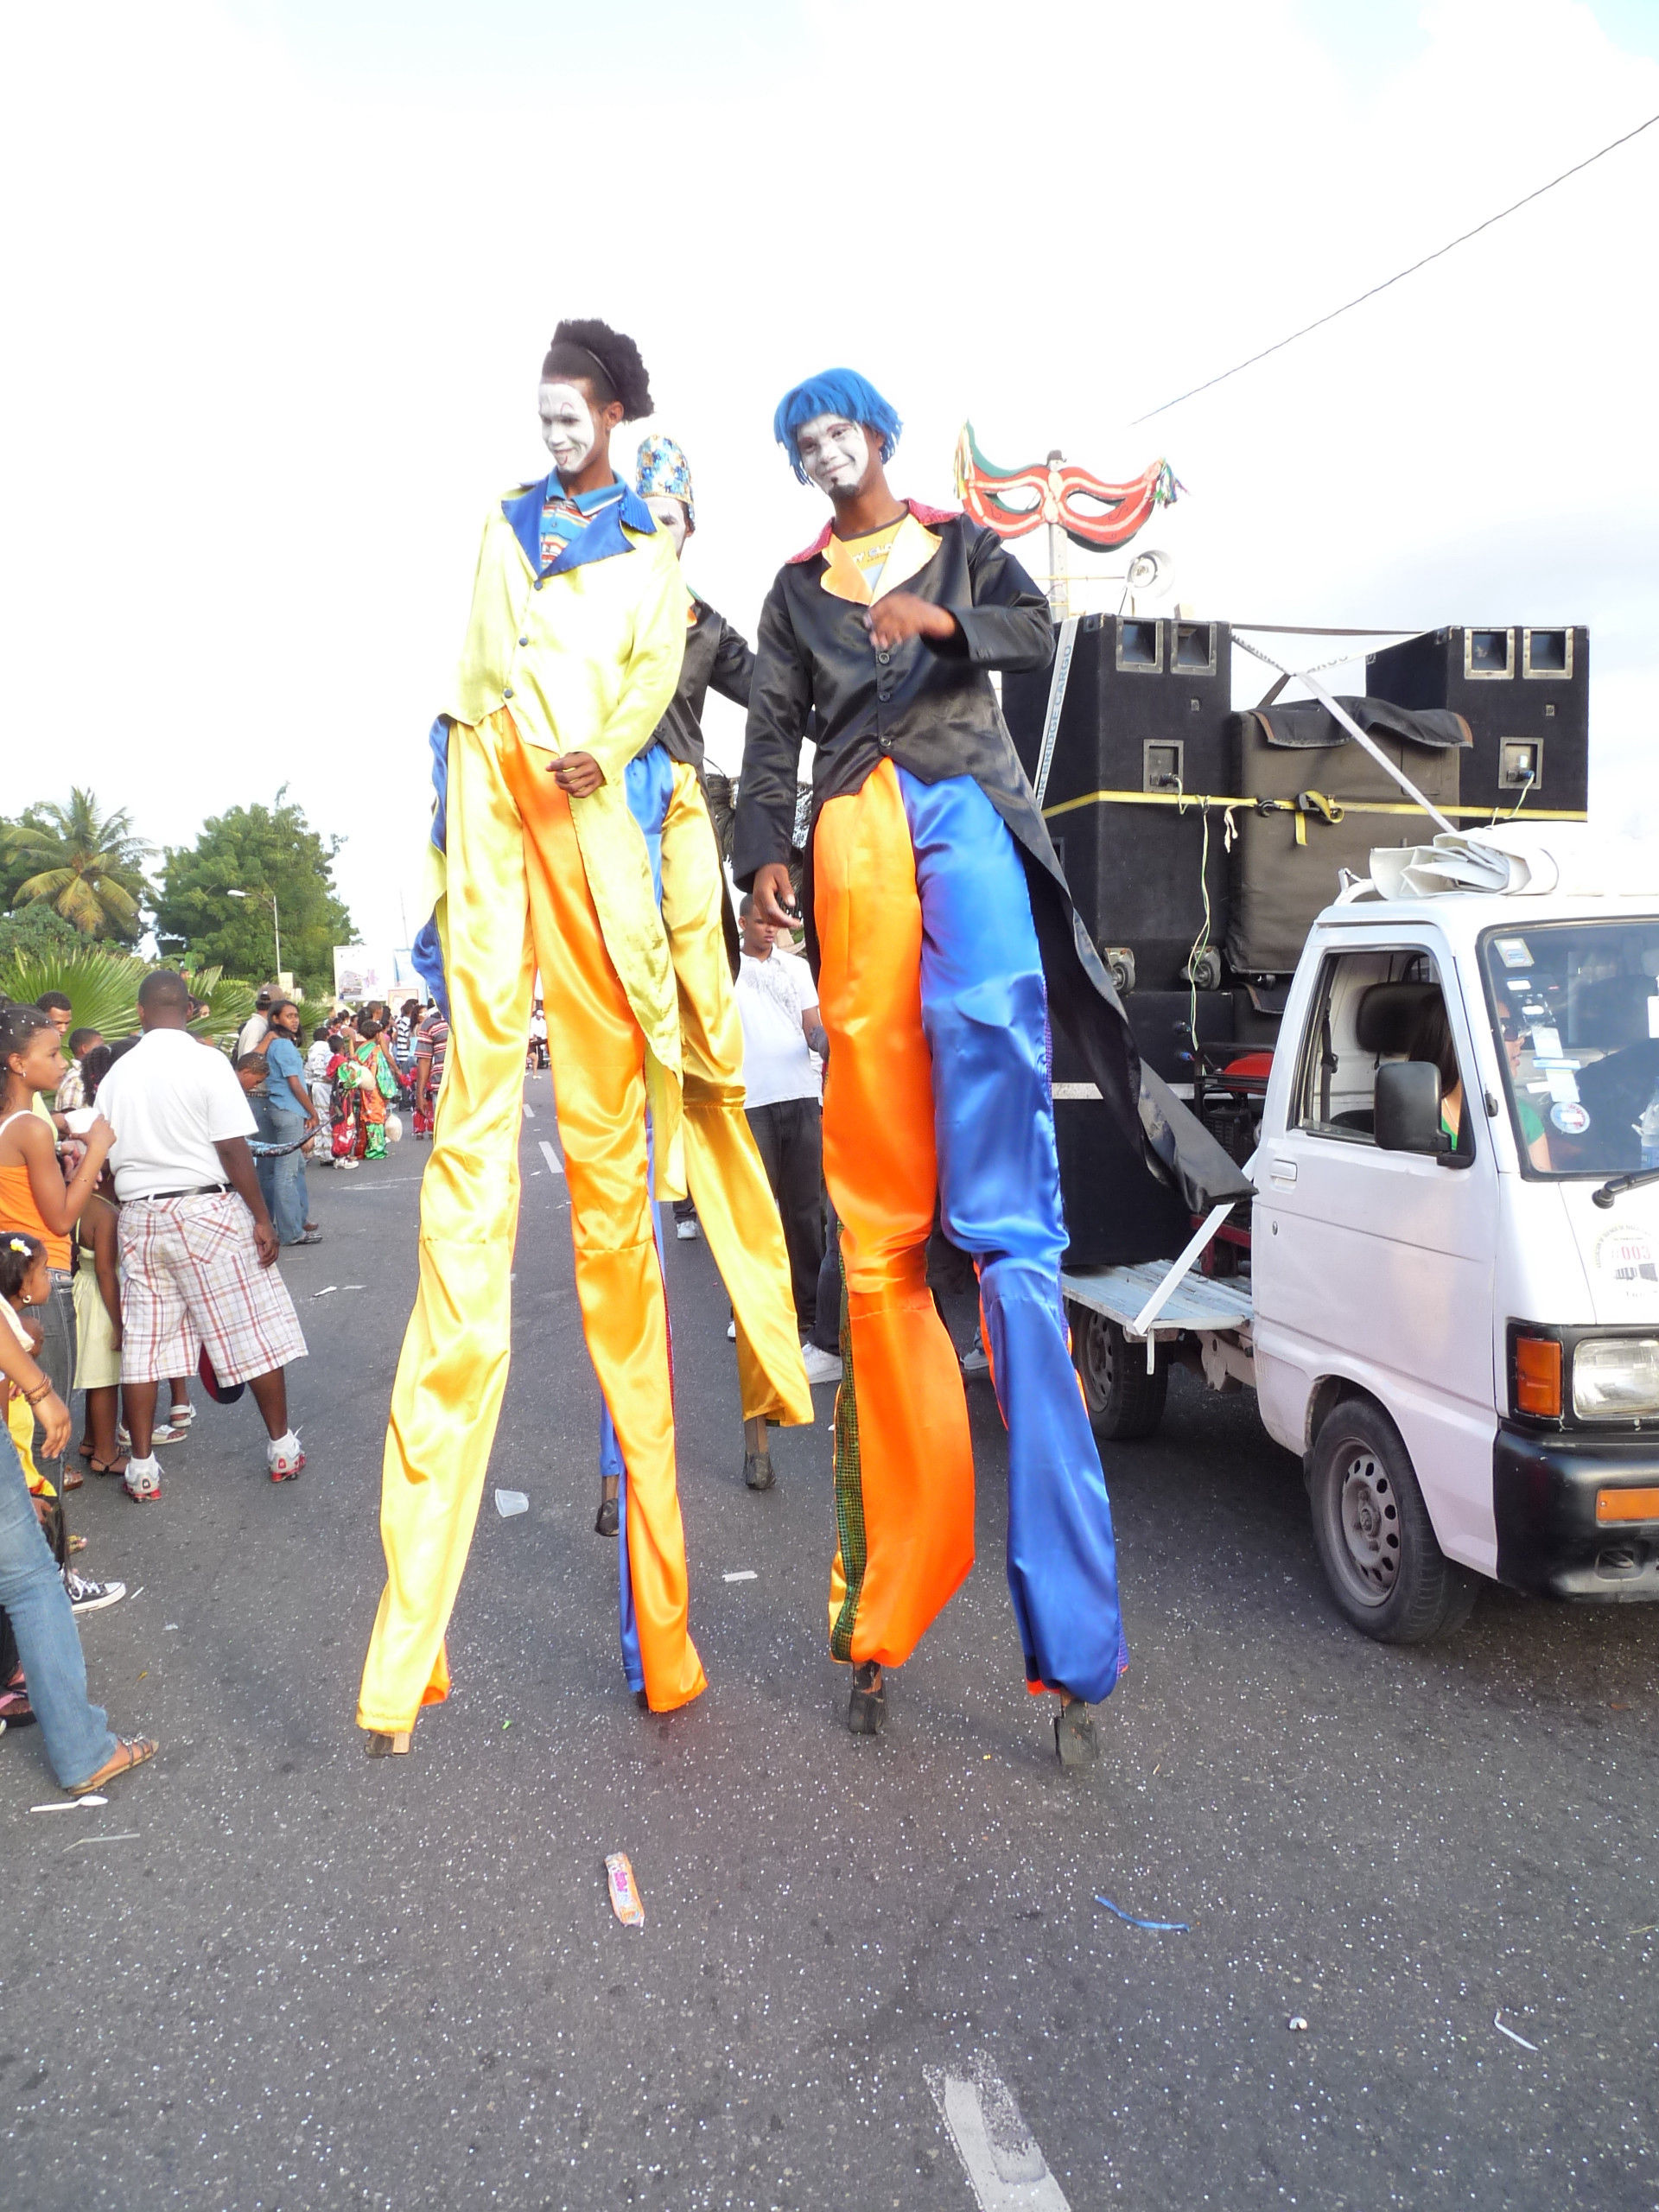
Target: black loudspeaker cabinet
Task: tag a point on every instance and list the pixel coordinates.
(1116, 1214)
(1145, 712)
(1524, 692)
(1161, 1022)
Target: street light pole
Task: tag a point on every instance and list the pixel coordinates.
(276, 920)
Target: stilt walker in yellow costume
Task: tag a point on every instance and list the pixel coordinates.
(723, 1166)
(572, 654)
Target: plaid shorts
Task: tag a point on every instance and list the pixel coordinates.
(190, 1276)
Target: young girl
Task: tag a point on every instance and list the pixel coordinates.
(22, 1271)
(34, 1198)
(98, 1325)
(347, 1083)
(379, 1091)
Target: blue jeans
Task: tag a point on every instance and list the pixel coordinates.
(282, 1181)
(78, 1739)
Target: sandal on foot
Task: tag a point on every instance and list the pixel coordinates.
(609, 1519)
(1074, 1734)
(72, 1478)
(866, 1708)
(116, 1466)
(16, 1711)
(382, 1746)
(129, 1751)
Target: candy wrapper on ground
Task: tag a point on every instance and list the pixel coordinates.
(625, 1897)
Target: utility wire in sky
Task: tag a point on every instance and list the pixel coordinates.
(1400, 278)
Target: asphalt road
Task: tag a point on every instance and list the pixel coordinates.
(275, 1974)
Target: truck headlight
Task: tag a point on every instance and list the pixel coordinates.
(1615, 1378)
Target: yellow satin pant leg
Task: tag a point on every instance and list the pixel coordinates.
(453, 1368)
(905, 1467)
(724, 1171)
(598, 1054)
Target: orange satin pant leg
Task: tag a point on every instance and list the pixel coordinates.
(911, 1476)
(598, 1055)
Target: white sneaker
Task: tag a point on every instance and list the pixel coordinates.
(731, 1332)
(143, 1480)
(973, 1362)
(283, 1457)
(687, 1230)
(821, 1366)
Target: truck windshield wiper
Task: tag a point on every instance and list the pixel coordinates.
(1609, 1191)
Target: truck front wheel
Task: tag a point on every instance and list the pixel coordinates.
(1375, 1542)
(1124, 1402)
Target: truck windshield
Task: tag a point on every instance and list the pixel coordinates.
(1576, 1009)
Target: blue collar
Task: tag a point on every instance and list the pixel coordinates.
(602, 537)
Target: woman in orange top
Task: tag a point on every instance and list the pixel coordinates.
(33, 1194)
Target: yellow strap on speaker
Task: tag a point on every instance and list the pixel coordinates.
(1184, 799)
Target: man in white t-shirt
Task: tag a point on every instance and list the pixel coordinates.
(255, 1030)
(778, 1004)
(197, 1242)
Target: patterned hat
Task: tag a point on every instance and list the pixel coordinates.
(664, 471)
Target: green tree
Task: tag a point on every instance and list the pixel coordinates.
(87, 866)
(269, 852)
(36, 930)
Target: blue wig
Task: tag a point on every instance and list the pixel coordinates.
(834, 392)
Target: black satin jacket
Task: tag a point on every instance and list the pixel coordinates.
(717, 657)
(932, 709)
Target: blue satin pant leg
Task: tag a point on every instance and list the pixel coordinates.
(985, 1016)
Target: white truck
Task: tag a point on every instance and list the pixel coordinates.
(1448, 1300)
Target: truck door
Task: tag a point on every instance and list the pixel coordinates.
(1377, 1266)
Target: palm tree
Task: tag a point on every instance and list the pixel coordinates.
(88, 869)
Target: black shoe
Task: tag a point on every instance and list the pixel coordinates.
(1074, 1734)
(866, 1708)
(608, 1519)
(757, 1470)
(642, 1700)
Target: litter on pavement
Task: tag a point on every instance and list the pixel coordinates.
(1297, 2025)
(742, 1574)
(1160, 1927)
(625, 1897)
(509, 1502)
(1497, 2022)
(92, 1802)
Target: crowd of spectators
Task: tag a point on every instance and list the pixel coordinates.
(147, 1186)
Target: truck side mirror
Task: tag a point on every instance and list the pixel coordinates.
(1406, 1116)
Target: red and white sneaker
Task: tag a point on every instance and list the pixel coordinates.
(284, 1459)
(143, 1480)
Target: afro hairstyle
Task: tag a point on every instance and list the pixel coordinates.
(835, 391)
(605, 361)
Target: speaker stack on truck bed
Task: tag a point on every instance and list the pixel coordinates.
(1525, 695)
(1144, 722)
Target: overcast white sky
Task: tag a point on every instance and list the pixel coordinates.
(281, 273)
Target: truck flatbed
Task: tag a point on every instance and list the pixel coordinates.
(1198, 1301)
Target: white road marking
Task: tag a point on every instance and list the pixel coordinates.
(529, 1112)
(743, 1575)
(554, 1164)
(1004, 2168)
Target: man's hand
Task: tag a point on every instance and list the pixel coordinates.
(901, 614)
(774, 897)
(53, 1417)
(578, 775)
(264, 1242)
(98, 1139)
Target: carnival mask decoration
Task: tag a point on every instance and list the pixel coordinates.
(1090, 511)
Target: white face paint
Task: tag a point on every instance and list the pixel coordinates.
(834, 453)
(669, 514)
(568, 428)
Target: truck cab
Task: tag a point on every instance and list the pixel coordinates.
(1443, 1232)
(1449, 1303)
